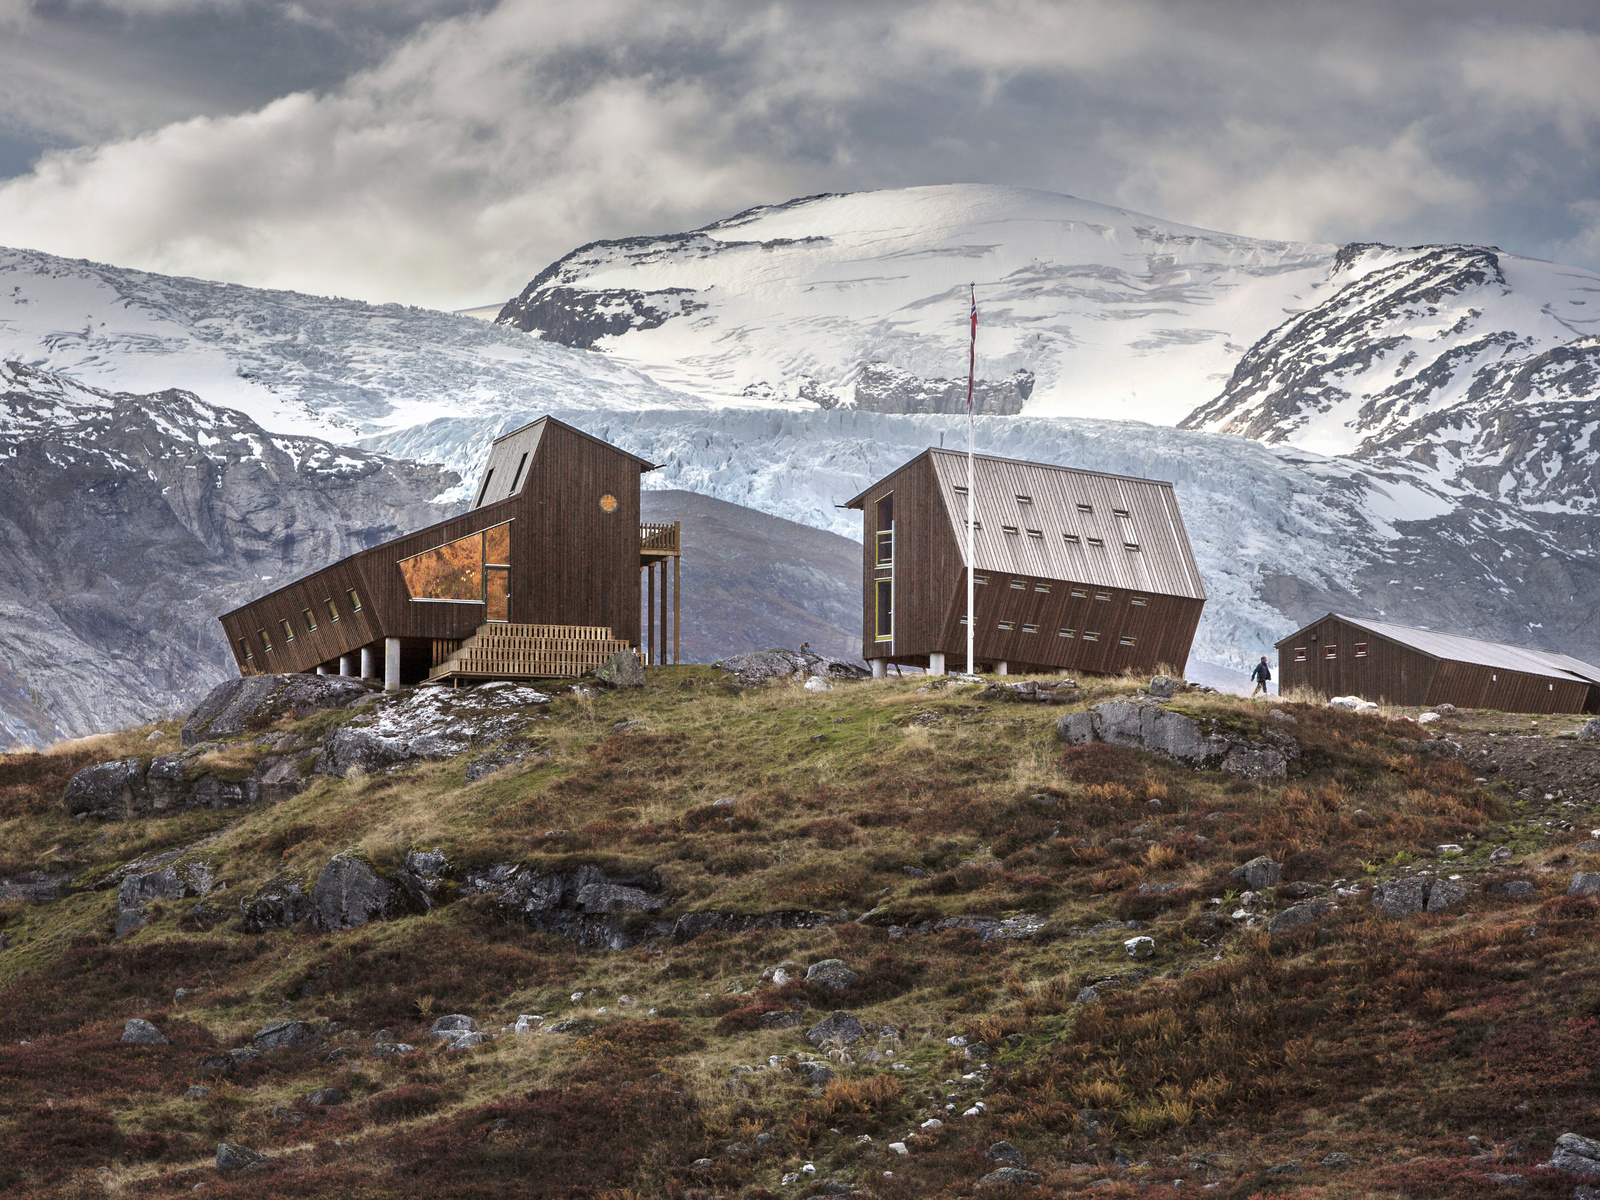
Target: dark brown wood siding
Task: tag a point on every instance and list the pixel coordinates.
(927, 562)
(1393, 673)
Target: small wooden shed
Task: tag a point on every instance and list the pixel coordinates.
(541, 577)
(1396, 664)
(1073, 570)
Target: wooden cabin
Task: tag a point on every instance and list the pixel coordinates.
(1395, 664)
(1073, 570)
(543, 576)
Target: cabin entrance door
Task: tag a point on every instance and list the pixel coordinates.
(497, 593)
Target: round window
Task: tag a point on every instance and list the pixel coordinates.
(608, 503)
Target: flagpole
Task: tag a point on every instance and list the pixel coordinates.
(972, 360)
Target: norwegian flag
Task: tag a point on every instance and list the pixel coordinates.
(972, 347)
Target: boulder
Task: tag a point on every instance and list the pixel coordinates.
(1584, 883)
(1401, 898)
(233, 1159)
(1353, 704)
(583, 904)
(1146, 725)
(455, 1023)
(1258, 873)
(281, 1034)
(1140, 947)
(831, 973)
(282, 903)
(137, 1032)
(1164, 687)
(348, 893)
(1005, 1153)
(392, 1049)
(1519, 889)
(1032, 691)
(818, 684)
(327, 1097)
(764, 666)
(622, 670)
(1446, 893)
(114, 791)
(1296, 915)
(815, 1073)
(1011, 1176)
(246, 705)
(1590, 731)
(1576, 1155)
(428, 864)
(836, 1027)
(180, 881)
(787, 1019)
(428, 724)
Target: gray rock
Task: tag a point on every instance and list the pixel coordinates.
(246, 705)
(1140, 947)
(1147, 725)
(129, 919)
(137, 1032)
(1446, 893)
(1164, 687)
(831, 973)
(279, 905)
(1520, 889)
(1299, 890)
(1590, 731)
(1005, 1152)
(460, 1040)
(455, 1023)
(112, 791)
(280, 1034)
(1292, 1167)
(764, 666)
(1507, 1180)
(1158, 889)
(622, 670)
(816, 1073)
(1258, 874)
(233, 1158)
(1336, 1160)
(428, 864)
(392, 1049)
(1576, 1155)
(216, 1066)
(836, 1027)
(1585, 1192)
(327, 1097)
(198, 1091)
(288, 1116)
(1401, 898)
(1256, 761)
(1012, 1176)
(1584, 883)
(780, 1020)
(427, 725)
(175, 882)
(243, 1054)
(348, 893)
(1032, 691)
(1310, 912)
(575, 1025)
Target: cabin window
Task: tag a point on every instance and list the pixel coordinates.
(1492, 678)
(1086, 508)
(1299, 654)
(1071, 633)
(355, 600)
(484, 490)
(1132, 547)
(1125, 640)
(1036, 533)
(1097, 542)
(288, 630)
(1020, 585)
(1140, 601)
(1090, 637)
(1361, 649)
(1080, 593)
(1021, 499)
(977, 527)
(1330, 652)
(885, 530)
(1102, 595)
(609, 503)
(244, 649)
(1072, 539)
(883, 590)
(517, 478)
(1011, 529)
(475, 569)
(265, 640)
(311, 621)
(1030, 629)
(980, 579)
(333, 611)
(1121, 512)
(1041, 587)
(960, 490)
(1008, 626)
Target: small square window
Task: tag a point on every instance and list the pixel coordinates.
(1036, 533)
(1086, 508)
(1080, 593)
(311, 622)
(1121, 512)
(1330, 652)
(355, 600)
(333, 611)
(1140, 601)
(1361, 649)
(1091, 637)
(288, 630)
(1097, 542)
(1300, 654)
(1131, 546)
(1020, 585)
(1041, 587)
(1030, 629)
(265, 640)
(1021, 499)
(980, 579)
(1011, 529)
(1125, 640)
(1072, 539)
(1102, 595)
(1008, 626)
(244, 649)
(1071, 633)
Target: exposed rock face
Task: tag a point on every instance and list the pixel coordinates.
(832, 973)
(584, 904)
(1010, 1177)
(281, 1034)
(1311, 912)
(428, 723)
(348, 892)
(887, 389)
(764, 666)
(175, 882)
(1407, 897)
(1590, 731)
(237, 706)
(131, 787)
(1258, 873)
(282, 903)
(112, 790)
(1148, 726)
(1028, 691)
(1576, 1155)
(141, 1033)
(234, 1159)
(836, 1027)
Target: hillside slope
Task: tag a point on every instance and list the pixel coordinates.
(724, 942)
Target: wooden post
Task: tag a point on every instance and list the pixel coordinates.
(662, 585)
(650, 614)
(677, 582)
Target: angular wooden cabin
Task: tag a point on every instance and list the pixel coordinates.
(1395, 664)
(540, 578)
(1075, 570)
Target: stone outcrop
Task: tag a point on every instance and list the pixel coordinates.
(427, 724)
(1296, 916)
(281, 903)
(764, 666)
(583, 904)
(1258, 873)
(137, 1032)
(1418, 894)
(348, 893)
(250, 704)
(622, 670)
(1028, 691)
(836, 1027)
(134, 787)
(1147, 725)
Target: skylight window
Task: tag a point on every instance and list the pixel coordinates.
(1011, 529)
(1080, 593)
(1121, 512)
(1072, 539)
(1097, 542)
(1132, 547)
(1102, 595)
(1125, 640)
(1021, 499)
(1042, 587)
(1020, 585)
(1036, 533)
(1086, 508)
(1139, 601)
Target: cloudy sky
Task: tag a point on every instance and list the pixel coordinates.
(441, 151)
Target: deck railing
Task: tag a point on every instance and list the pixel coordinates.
(658, 539)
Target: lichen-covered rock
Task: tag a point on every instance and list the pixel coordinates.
(1402, 897)
(234, 1159)
(832, 973)
(1258, 874)
(584, 904)
(1146, 725)
(1030, 691)
(348, 893)
(1590, 731)
(281, 1034)
(177, 881)
(282, 903)
(113, 790)
(839, 1027)
(246, 705)
(1446, 893)
(622, 670)
(1010, 1176)
(1584, 883)
(764, 666)
(1164, 687)
(1007, 1154)
(1298, 915)
(1576, 1155)
(428, 724)
(137, 1032)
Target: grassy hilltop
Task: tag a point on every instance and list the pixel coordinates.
(1432, 1051)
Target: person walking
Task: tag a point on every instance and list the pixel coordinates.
(1261, 675)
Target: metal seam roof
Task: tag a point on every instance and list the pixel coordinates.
(1478, 652)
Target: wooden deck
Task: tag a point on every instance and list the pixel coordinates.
(500, 650)
(657, 542)
(660, 546)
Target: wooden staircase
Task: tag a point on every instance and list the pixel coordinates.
(500, 650)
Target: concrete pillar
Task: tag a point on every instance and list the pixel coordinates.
(935, 664)
(1000, 668)
(879, 669)
(347, 665)
(322, 669)
(369, 663)
(391, 664)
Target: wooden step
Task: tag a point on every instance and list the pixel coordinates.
(501, 650)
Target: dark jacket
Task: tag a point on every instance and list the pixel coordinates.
(1262, 672)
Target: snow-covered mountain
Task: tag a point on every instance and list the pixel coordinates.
(860, 301)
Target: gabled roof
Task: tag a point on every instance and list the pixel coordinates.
(1063, 502)
(1480, 653)
(506, 469)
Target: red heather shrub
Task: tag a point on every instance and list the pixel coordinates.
(46, 1143)
(742, 1020)
(404, 1102)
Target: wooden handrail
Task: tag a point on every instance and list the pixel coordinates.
(659, 538)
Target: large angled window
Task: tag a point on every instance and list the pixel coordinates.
(470, 570)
